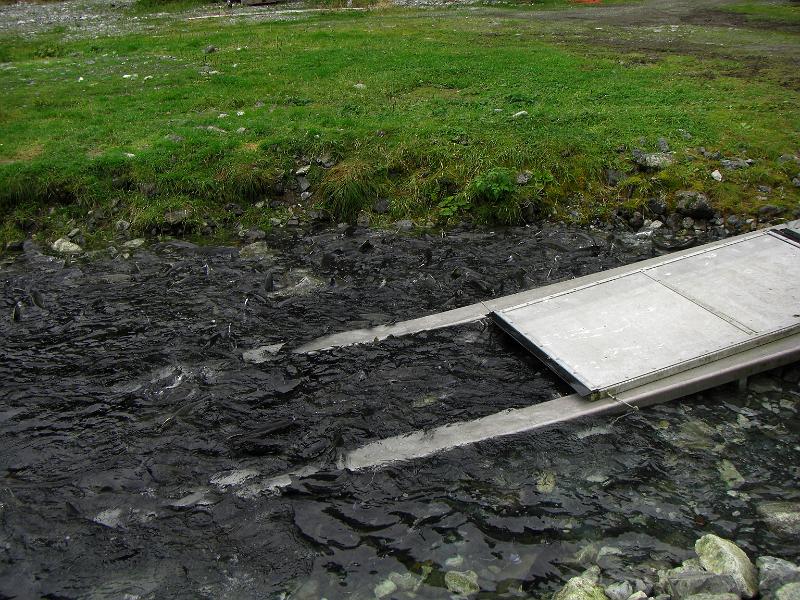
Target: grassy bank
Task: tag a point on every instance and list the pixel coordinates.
(770, 11)
(437, 114)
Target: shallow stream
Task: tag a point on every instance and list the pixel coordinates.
(133, 433)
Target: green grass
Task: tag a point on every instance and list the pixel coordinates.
(414, 108)
(776, 11)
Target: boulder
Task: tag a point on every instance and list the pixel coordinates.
(790, 591)
(620, 591)
(774, 573)
(723, 557)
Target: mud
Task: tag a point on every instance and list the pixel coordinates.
(134, 435)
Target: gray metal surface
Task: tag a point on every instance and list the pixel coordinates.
(615, 334)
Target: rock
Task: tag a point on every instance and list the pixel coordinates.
(385, 588)
(716, 175)
(303, 171)
(723, 557)
(122, 225)
(687, 223)
(176, 217)
(580, 588)
(663, 145)
(209, 49)
(404, 225)
(782, 517)
(303, 183)
(694, 204)
(790, 591)
(253, 234)
(732, 164)
(462, 582)
(656, 225)
(360, 86)
(769, 211)
(305, 195)
(520, 114)
(409, 581)
(133, 244)
(363, 219)
(730, 474)
(796, 181)
(638, 596)
(656, 206)
(774, 573)
(234, 209)
(174, 137)
(787, 158)
(764, 189)
(14, 246)
(380, 206)
(546, 483)
(620, 591)
(74, 233)
(652, 161)
(613, 177)
(326, 161)
(636, 221)
(764, 384)
(64, 246)
(681, 583)
(258, 250)
(713, 597)
(524, 177)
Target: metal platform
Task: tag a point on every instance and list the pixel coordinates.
(626, 338)
(622, 332)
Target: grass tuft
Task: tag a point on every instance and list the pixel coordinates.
(348, 188)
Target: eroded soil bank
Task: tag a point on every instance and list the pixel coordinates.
(134, 435)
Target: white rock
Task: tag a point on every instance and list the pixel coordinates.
(64, 246)
(716, 175)
(656, 225)
(229, 478)
(133, 244)
(360, 86)
(520, 114)
(261, 354)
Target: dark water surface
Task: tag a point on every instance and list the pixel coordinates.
(133, 435)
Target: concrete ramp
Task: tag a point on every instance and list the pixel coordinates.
(619, 333)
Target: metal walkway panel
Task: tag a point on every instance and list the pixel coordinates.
(619, 333)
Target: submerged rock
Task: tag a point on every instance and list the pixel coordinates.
(462, 582)
(723, 557)
(385, 588)
(781, 517)
(261, 354)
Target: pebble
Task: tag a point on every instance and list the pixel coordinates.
(716, 175)
(520, 114)
(209, 49)
(133, 244)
